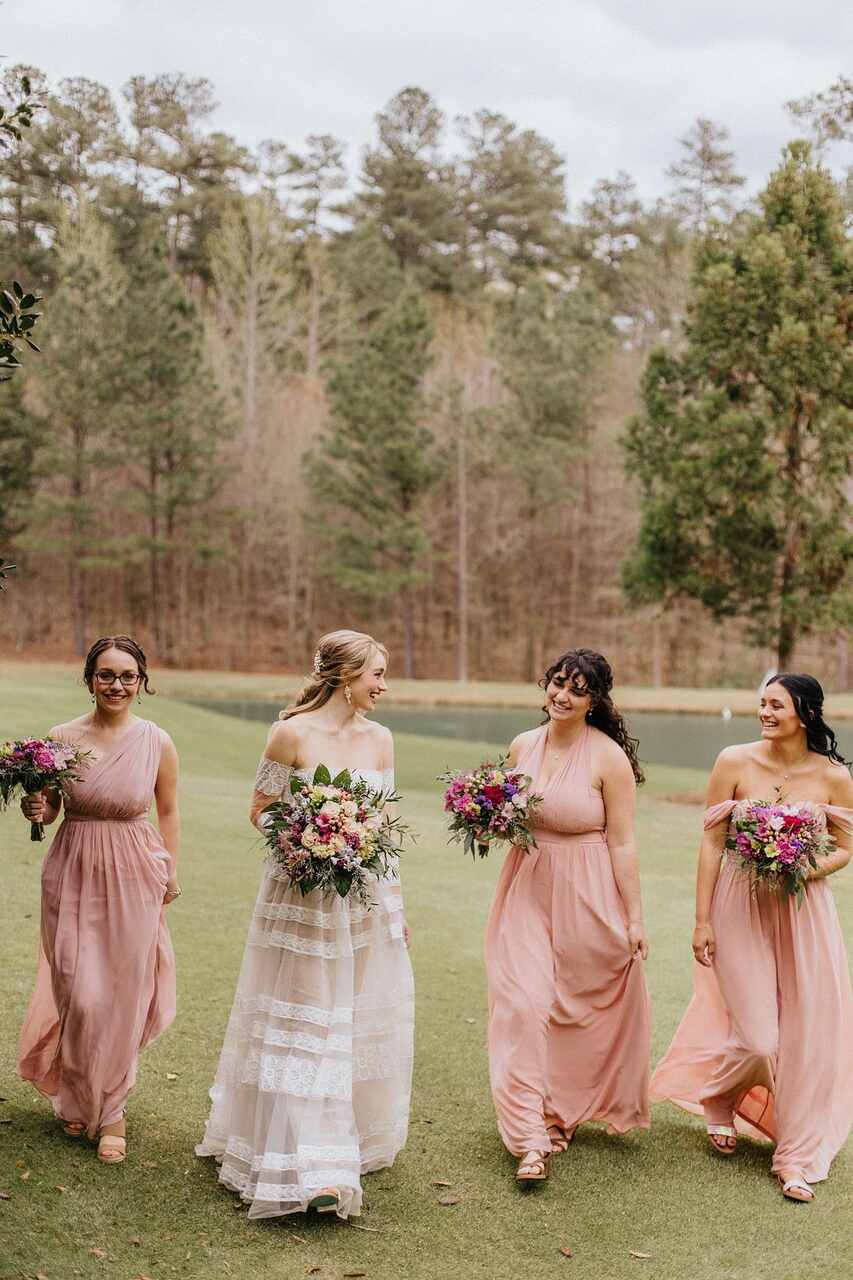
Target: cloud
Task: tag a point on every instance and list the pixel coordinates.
(611, 83)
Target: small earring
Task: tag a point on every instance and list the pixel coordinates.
(348, 694)
(93, 697)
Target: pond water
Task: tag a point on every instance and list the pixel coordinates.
(689, 740)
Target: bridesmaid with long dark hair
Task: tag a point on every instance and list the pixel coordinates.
(106, 976)
(568, 1008)
(766, 1045)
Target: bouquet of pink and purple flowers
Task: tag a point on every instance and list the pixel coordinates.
(334, 834)
(776, 844)
(31, 764)
(489, 803)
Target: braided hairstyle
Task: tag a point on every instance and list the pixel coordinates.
(807, 696)
(127, 645)
(598, 676)
(340, 657)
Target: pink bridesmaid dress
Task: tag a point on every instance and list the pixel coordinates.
(106, 976)
(766, 1042)
(569, 1013)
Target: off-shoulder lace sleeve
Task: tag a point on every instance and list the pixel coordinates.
(272, 777)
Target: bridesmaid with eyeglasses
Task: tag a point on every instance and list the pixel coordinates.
(106, 975)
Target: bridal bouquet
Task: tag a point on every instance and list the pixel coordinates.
(776, 844)
(488, 803)
(334, 834)
(31, 764)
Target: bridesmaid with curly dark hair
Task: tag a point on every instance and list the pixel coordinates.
(569, 1014)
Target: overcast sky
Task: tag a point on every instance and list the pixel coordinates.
(612, 83)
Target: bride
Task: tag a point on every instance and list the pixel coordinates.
(314, 1078)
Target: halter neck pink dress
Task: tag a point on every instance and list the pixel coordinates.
(106, 976)
(569, 1013)
(766, 1042)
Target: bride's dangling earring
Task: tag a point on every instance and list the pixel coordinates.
(348, 694)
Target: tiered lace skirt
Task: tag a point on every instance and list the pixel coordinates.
(314, 1078)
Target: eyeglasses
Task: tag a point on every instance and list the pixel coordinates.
(127, 678)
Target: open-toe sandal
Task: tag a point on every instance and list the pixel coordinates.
(723, 1138)
(560, 1138)
(795, 1189)
(73, 1128)
(534, 1166)
(112, 1149)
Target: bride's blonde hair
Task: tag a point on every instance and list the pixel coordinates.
(340, 657)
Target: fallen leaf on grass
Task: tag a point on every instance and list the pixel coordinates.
(26, 1174)
(141, 1278)
(470, 1020)
(439, 1182)
(149, 1164)
(298, 1239)
(355, 1273)
(566, 1251)
(357, 1227)
(4, 1195)
(98, 1253)
(312, 1271)
(40, 1275)
(448, 1200)
(136, 1239)
(5, 1120)
(60, 1188)
(172, 1075)
(634, 1254)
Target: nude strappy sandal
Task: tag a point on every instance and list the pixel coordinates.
(722, 1131)
(534, 1166)
(795, 1189)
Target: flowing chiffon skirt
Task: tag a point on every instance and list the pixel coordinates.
(766, 1042)
(105, 986)
(314, 1079)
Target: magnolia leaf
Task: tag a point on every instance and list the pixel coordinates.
(566, 1251)
(634, 1253)
(296, 785)
(322, 777)
(98, 1253)
(449, 1200)
(441, 1183)
(343, 780)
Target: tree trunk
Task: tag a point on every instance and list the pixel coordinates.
(78, 543)
(312, 349)
(408, 610)
(462, 550)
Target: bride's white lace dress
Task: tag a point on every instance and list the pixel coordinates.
(314, 1078)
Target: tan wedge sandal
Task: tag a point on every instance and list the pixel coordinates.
(534, 1166)
(112, 1149)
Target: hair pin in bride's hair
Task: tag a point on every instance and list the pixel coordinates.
(318, 663)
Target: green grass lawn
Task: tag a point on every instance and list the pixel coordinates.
(162, 1214)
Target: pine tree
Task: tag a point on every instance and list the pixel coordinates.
(407, 191)
(75, 382)
(704, 179)
(376, 463)
(167, 435)
(19, 435)
(743, 445)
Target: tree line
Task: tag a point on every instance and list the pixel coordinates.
(273, 397)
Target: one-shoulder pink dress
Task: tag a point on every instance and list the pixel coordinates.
(106, 976)
(766, 1042)
(569, 1012)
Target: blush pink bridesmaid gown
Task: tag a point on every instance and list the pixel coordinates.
(106, 976)
(766, 1042)
(569, 1013)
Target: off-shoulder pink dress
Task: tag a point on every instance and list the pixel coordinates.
(569, 1013)
(767, 1040)
(106, 976)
